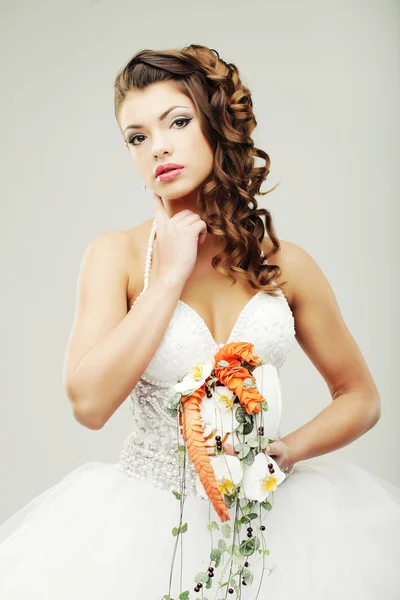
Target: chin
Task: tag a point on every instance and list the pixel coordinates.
(176, 192)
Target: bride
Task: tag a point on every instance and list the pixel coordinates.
(156, 301)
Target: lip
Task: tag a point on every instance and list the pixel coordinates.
(167, 175)
(168, 166)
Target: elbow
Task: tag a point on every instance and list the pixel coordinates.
(83, 411)
(375, 409)
(378, 411)
(87, 418)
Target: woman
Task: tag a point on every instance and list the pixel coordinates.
(105, 530)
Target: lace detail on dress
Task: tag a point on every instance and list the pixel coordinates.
(149, 450)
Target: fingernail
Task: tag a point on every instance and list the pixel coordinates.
(268, 448)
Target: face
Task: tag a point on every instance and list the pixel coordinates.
(155, 138)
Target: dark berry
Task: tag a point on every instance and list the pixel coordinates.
(230, 590)
(262, 527)
(244, 582)
(218, 438)
(249, 535)
(246, 564)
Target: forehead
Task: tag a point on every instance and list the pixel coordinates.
(142, 106)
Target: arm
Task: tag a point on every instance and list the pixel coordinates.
(109, 349)
(325, 338)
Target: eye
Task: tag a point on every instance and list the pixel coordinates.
(184, 120)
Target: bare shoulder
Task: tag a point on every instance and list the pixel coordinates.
(294, 262)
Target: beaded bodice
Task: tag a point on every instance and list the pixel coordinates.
(149, 450)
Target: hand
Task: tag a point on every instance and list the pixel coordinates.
(280, 452)
(277, 450)
(178, 239)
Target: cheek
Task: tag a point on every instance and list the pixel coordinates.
(201, 153)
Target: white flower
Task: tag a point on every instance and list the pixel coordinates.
(258, 482)
(228, 472)
(218, 412)
(195, 378)
(268, 384)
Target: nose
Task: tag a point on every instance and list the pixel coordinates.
(160, 148)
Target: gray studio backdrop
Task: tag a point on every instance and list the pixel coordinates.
(325, 80)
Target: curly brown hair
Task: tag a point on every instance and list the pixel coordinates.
(225, 109)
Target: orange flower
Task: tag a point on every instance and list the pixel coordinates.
(192, 431)
(233, 375)
(237, 350)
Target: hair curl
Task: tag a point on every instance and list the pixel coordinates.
(225, 110)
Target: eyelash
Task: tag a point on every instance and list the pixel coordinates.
(185, 119)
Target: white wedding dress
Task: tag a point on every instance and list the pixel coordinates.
(105, 530)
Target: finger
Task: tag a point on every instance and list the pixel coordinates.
(201, 231)
(202, 236)
(159, 209)
(272, 449)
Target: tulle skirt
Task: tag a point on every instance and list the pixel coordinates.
(333, 532)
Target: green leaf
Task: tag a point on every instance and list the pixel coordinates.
(249, 383)
(230, 500)
(226, 530)
(201, 577)
(239, 428)
(249, 458)
(184, 528)
(252, 516)
(177, 530)
(173, 412)
(245, 519)
(247, 547)
(263, 442)
(177, 495)
(180, 458)
(267, 505)
(212, 526)
(248, 428)
(215, 556)
(241, 414)
(248, 576)
(222, 545)
(243, 450)
(252, 442)
(223, 363)
(264, 405)
(184, 595)
(188, 392)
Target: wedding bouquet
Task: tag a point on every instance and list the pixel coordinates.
(223, 405)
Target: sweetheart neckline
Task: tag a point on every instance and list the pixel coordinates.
(207, 330)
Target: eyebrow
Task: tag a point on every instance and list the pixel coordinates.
(160, 118)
